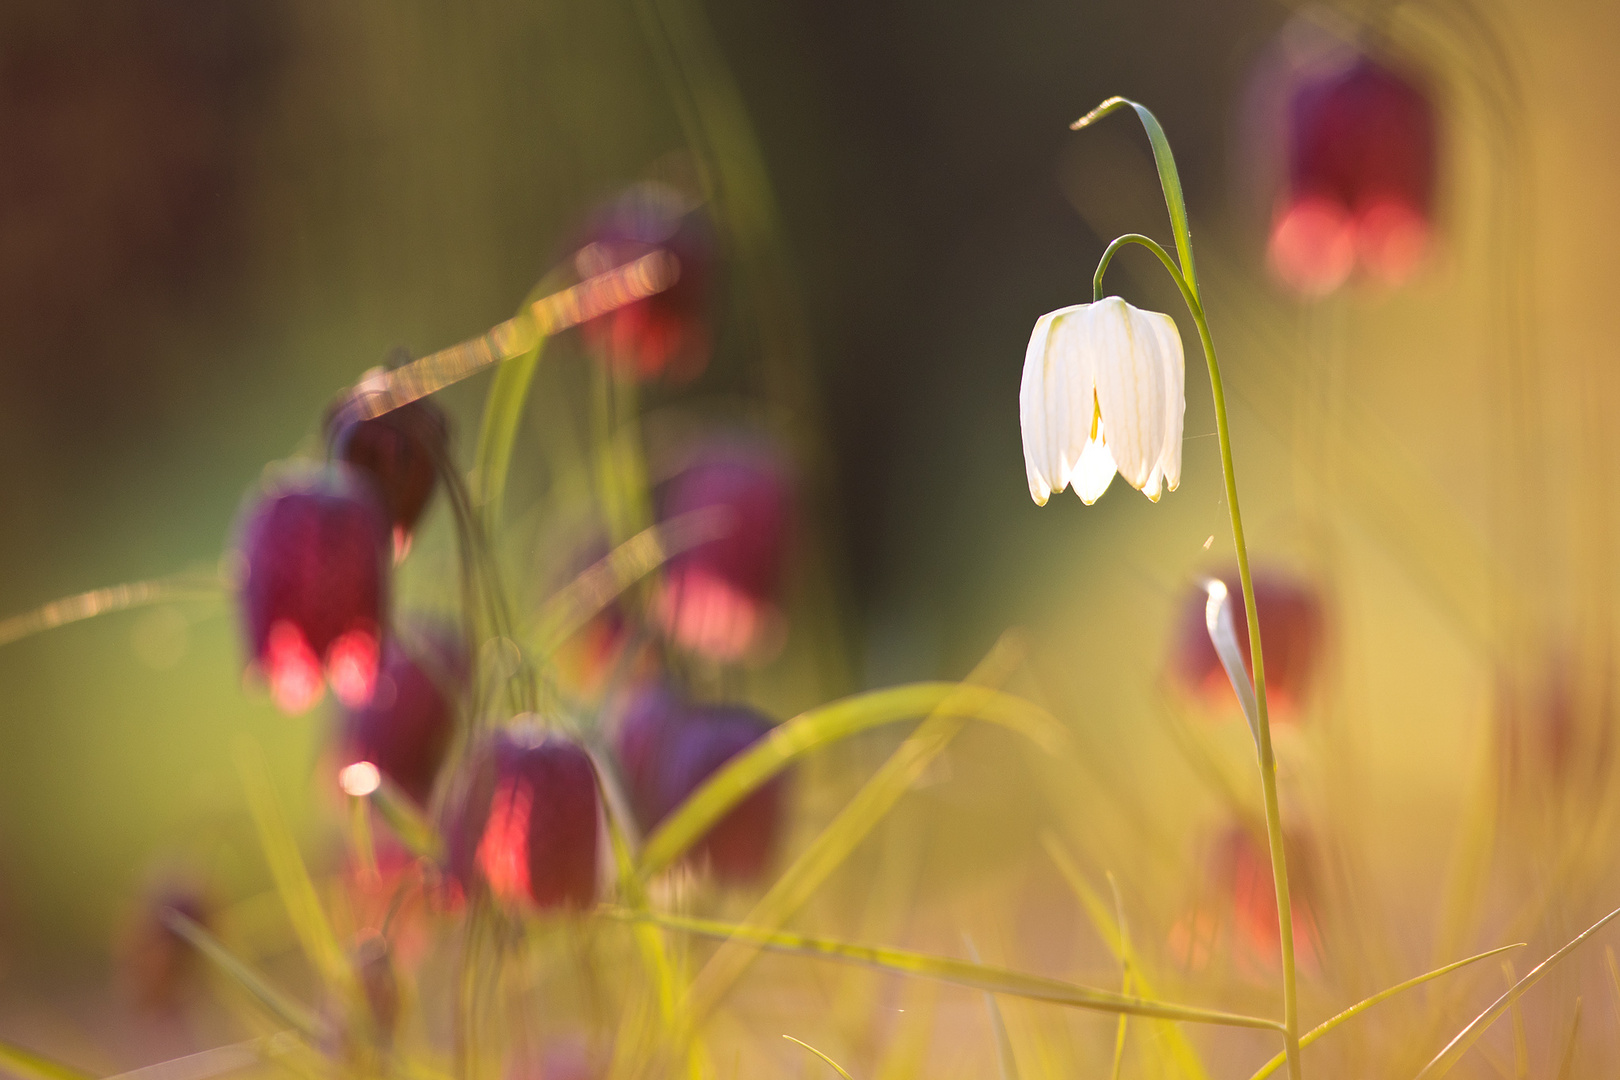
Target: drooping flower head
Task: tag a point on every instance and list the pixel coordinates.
(405, 729)
(526, 823)
(314, 564)
(719, 596)
(668, 747)
(398, 451)
(1236, 911)
(665, 335)
(1103, 392)
(1293, 628)
(1358, 163)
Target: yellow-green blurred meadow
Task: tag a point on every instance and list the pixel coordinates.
(1006, 754)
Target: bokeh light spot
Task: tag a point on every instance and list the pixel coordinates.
(293, 669)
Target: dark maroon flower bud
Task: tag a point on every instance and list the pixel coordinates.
(719, 596)
(665, 335)
(157, 962)
(405, 729)
(314, 587)
(1360, 156)
(1292, 630)
(667, 748)
(399, 451)
(526, 824)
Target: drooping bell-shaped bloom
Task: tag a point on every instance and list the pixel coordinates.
(1359, 154)
(526, 823)
(668, 747)
(718, 597)
(406, 727)
(399, 452)
(1104, 391)
(1293, 630)
(665, 335)
(1236, 910)
(314, 564)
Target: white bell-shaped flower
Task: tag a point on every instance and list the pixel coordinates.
(1104, 390)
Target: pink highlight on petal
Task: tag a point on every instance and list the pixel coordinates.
(351, 665)
(293, 669)
(402, 543)
(503, 851)
(706, 614)
(1392, 238)
(1313, 246)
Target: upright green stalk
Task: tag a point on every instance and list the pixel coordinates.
(1268, 761)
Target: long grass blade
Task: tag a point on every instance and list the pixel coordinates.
(503, 414)
(87, 605)
(1447, 1057)
(280, 1005)
(852, 824)
(1383, 995)
(828, 724)
(1567, 1061)
(1169, 178)
(956, 972)
(408, 824)
(293, 883)
(839, 1069)
(31, 1066)
(1188, 1063)
(1006, 1061)
(207, 1064)
(601, 583)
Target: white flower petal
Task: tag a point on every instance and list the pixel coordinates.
(1032, 412)
(1130, 387)
(1173, 362)
(1095, 470)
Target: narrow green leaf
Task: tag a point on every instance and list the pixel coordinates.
(1447, 1057)
(191, 585)
(293, 883)
(1169, 179)
(408, 823)
(1006, 1061)
(1383, 995)
(839, 1069)
(503, 415)
(828, 724)
(1181, 1051)
(945, 969)
(31, 1066)
(278, 1004)
(218, 1061)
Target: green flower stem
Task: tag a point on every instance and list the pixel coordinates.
(1268, 760)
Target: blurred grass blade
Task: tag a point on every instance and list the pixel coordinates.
(956, 972)
(1567, 1061)
(908, 1052)
(1188, 1063)
(601, 583)
(287, 868)
(407, 822)
(1006, 1062)
(206, 1064)
(1383, 995)
(280, 1005)
(1124, 976)
(1447, 1057)
(828, 724)
(503, 415)
(31, 1066)
(189, 585)
(852, 824)
(839, 1069)
(1169, 178)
